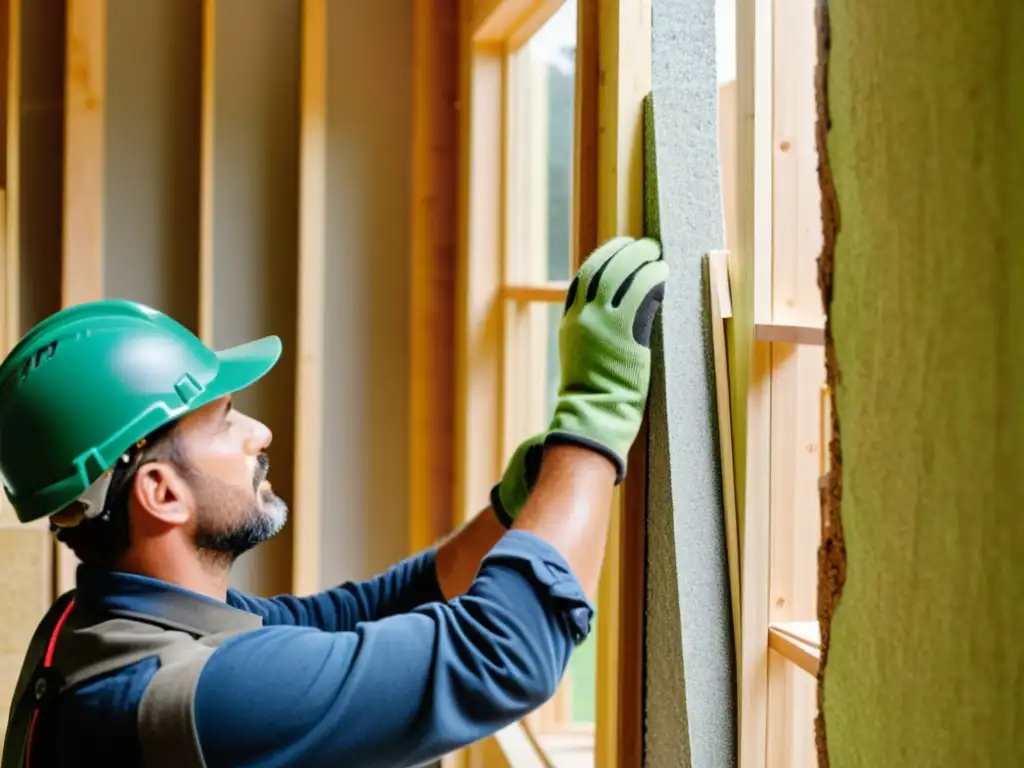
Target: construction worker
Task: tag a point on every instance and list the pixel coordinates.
(116, 423)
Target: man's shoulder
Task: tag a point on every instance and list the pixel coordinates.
(98, 718)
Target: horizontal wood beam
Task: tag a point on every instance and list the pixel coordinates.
(553, 292)
(493, 21)
(799, 642)
(783, 333)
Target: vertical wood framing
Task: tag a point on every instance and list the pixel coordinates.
(750, 362)
(585, 139)
(207, 116)
(624, 41)
(432, 265)
(798, 375)
(85, 102)
(525, 203)
(309, 369)
(478, 324)
(27, 550)
(11, 315)
(584, 206)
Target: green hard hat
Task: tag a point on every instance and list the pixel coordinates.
(87, 383)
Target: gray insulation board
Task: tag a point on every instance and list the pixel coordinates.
(690, 701)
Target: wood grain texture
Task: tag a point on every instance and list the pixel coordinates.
(84, 109)
(624, 61)
(309, 368)
(432, 264)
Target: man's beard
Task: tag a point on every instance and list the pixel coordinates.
(232, 520)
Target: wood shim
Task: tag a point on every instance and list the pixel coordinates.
(721, 307)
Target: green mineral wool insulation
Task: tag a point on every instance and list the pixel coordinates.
(926, 666)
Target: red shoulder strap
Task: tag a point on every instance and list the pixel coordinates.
(47, 662)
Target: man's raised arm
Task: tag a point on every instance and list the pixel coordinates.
(605, 360)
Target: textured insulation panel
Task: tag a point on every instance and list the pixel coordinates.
(690, 701)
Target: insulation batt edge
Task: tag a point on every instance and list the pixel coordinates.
(832, 551)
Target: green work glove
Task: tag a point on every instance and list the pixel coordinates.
(604, 350)
(509, 496)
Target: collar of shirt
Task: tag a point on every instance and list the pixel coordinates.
(134, 596)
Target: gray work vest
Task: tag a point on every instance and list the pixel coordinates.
(71, 647)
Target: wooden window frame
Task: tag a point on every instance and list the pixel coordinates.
(775, 324)
(614, 38)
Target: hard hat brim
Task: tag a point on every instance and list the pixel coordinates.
(243, 365)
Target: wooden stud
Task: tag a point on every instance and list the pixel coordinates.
(309, 369)
(11, 316)
(85, 104)
(798, 373)
(750, 363)
(524, 258)
(85, 101)
(584, 240)
(206, 189)
(624, 45)
(478, 322)
(432, 267)
(552, 293)
(585, 140)
(10, 260)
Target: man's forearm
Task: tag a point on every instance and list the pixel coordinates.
(459, 556)
(570, 508)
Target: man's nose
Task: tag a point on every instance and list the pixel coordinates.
(260, 438)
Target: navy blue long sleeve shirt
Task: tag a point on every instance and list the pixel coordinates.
(378, 673)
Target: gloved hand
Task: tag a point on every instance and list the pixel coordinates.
(509, 496)
(604, 351)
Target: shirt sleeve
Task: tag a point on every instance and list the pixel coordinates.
(402, 690)
(410, 583)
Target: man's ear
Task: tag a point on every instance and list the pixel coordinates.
(161, 492)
